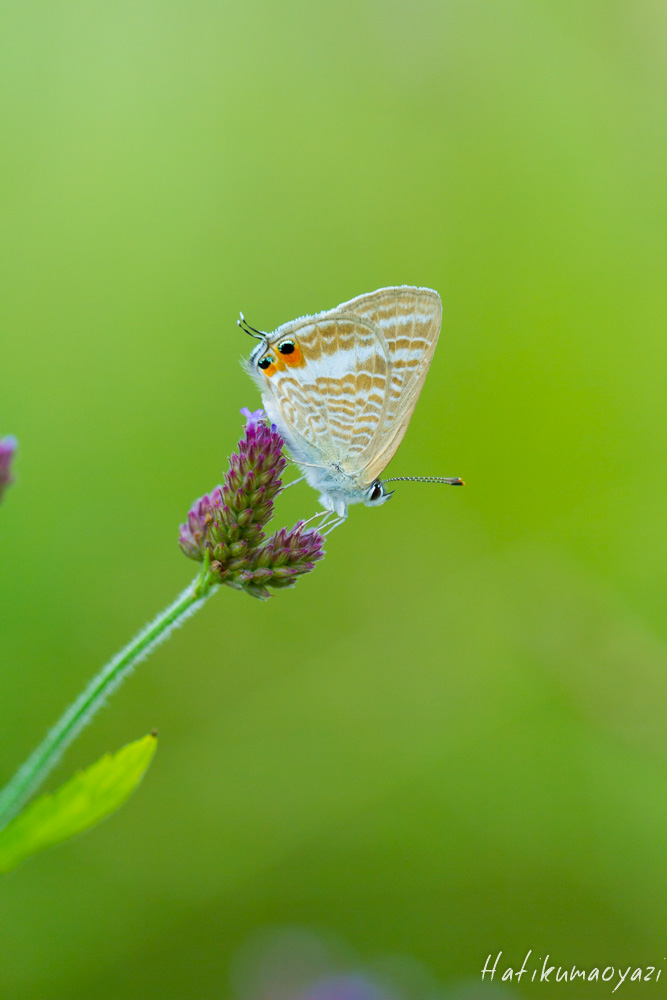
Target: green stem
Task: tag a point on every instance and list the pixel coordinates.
(33, 772)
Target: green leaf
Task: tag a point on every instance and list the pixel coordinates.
(78, 804)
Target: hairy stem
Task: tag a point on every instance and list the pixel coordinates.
(35, 769)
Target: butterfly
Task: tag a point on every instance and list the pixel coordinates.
(342, 385)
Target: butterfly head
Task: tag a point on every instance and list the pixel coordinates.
(377, 494)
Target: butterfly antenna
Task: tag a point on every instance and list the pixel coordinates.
(447, 480)
(250, 330)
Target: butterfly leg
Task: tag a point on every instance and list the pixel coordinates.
(332, 525)
(323, 516)
(294, 482)
(334, 503)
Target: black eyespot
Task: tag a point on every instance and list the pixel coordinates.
(287, 347)
(376, 492)
(266, 362)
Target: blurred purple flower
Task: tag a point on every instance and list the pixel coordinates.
(228, 523)
(354, 987)
(8, 446)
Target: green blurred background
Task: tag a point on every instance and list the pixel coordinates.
(450, 739)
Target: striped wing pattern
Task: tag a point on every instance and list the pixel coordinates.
(408, 319)
(334, 403)
(364, 366)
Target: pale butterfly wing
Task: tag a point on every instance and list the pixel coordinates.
(349, 401)
(408, 320)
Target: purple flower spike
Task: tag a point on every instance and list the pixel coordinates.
(8, 446)
(193, 537)
(229, 523)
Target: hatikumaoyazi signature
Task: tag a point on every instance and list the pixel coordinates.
(547, 973)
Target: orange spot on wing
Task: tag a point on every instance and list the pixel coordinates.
(295, 359)
(284, 361)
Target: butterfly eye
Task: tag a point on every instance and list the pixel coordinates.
(286, 347)
(266, 362)
(376, 492)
